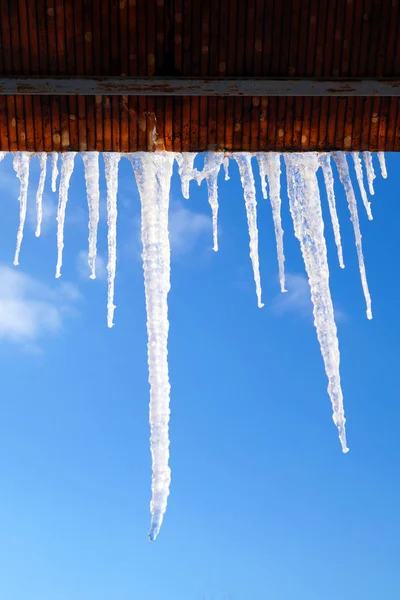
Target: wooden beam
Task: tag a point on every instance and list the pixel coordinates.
(188, 86)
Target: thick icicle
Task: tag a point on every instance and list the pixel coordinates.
(369, 167)
(325, 162)
(67, 167)
(54, 171)
(341, 163)
(91, 165)
(243, 160)
(305, 208)
(359, 175)
(153, 175)
(187, 171)
(212, 165)
(21, 167)
(111, 160)
(270, 166)
(39, 193)
(382, 163)
(2, 155)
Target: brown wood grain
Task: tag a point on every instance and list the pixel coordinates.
(313, 38)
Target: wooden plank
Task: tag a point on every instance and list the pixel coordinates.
(230, 70)
(71, 69)
(132, 70)
(142, 70)
(222, 68)
(390, 135)
(177, 126)
(4, 141)
(169, 119)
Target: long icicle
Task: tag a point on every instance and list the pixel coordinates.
(382, 163)
(153, 175)
(54, 171)
(273, 172)
(344, 175)
(243, 160)
(111, 161)
(262, 167)
(67, 167)
(305, 208)
(39, 193)
(369, 167)
(212, 165)
(359, 174)
(91, 166)
(325, 162)
(21, 167)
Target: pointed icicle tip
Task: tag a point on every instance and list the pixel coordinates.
(154, 531)
(243, 160)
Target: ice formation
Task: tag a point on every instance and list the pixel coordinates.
(382, 163)
(325, 162)
(360, 180)
(153, 174)
(269, 165)
(54, 171)
(21, 167)
(344, 175)
(91, 165)
(111, 162)
(369, 166)
(212, 165)
(243, 160)
(39, 193)
(67, 167)
(305, 208)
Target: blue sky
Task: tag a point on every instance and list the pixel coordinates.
(263, 502)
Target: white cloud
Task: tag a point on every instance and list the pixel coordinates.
(49, 211)
(84, 270)
(298, 299)
(29, 309)
(186, 229)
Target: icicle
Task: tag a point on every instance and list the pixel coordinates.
(111, 161)
(54, 171)
(67, 167)
(21, 167)
(382, 162)
(305, 208)
(325, 162)
(212, 165)
(226, 167)
(262, 166)
(243, 160)
(39, 194)
(341, 163)
(187, 171)
(270, 166)
(153, 175)
(359, 175)
(2, 155)
(91, 165)
(369, 167)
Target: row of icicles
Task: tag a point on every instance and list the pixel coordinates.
(153, 174)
